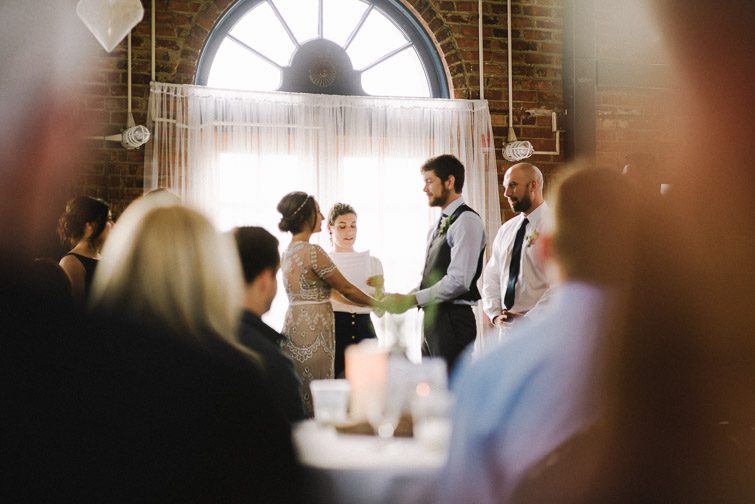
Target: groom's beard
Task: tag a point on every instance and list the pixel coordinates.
(440, 200)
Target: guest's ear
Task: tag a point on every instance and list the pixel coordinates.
(268, 281)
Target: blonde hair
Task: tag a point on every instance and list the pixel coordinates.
(166, 263)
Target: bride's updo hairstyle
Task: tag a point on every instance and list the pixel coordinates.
(297, 211)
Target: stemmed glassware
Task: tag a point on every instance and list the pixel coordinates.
(383, 408)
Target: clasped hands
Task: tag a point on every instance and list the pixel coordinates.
(397, 303)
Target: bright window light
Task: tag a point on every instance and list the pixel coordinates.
(261, 30)
(300, 16)
(377, 80)
(238, 68)
(256, 48)
(340, 17)
(377, 37)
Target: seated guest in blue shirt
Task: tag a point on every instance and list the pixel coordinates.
(258, 250)
(539, 388)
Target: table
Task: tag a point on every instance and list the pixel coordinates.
(349, 468)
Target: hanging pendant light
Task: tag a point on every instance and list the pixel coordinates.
(110, 20)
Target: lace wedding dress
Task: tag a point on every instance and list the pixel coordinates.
(308, 327)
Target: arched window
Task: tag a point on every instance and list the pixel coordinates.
(342, 47)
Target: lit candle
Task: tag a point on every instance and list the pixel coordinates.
(366, 370)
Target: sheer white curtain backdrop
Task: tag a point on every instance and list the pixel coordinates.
(234, 154)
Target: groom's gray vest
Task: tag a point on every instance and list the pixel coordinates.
(439, 257)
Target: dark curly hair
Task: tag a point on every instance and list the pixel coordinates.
(80, 211)
(444, 166)
(338, 210)
(297, 211)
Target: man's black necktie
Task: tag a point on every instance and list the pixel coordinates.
(516, 261)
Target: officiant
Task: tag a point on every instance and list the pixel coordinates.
(353, 323)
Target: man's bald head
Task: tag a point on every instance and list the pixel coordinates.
(523, 184)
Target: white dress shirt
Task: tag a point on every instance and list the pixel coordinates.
(533, 282)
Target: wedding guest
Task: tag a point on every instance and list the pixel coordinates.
(258, 250)
(55, 287)
(167, 266)
(453, 264)
(682, 408)
(85, 226)
(308, 277)
(103, 409)
(515, 279)
(353, 323)
(680, 422)
(542, 385)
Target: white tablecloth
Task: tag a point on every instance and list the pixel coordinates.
(348, 468)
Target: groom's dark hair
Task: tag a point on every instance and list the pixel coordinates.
(444, 166)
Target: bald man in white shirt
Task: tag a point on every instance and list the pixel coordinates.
(509, 293)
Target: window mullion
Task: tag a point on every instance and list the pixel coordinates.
(387, 55)
(358, 26)
(285, 25)
(319, 19)
(255, 51)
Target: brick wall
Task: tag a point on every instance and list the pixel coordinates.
(626, 119)
(635, 115)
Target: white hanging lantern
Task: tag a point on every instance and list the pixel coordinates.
(110, 20)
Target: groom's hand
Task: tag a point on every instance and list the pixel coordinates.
(398, 303)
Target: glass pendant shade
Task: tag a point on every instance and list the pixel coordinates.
(110, 20)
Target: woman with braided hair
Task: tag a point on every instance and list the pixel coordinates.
(308, 277)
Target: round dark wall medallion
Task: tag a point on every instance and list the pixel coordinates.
(322, 72)
(321, 66)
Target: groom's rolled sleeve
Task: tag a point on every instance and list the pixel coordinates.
(466, 237)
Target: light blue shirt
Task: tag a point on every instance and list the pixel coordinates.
(523, 398)
(466, 237)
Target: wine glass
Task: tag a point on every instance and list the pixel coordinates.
(383, 409)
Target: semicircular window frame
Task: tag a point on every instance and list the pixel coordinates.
(394, 11)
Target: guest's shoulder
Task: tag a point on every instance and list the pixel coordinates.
(525, 349)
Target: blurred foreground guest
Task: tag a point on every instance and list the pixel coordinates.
(680, 423)
(542, 385)
(102, 410)
(308, 276)
(258, 250)
(642, 169)
(167, 266)
(682, 409)
(54, 285)
(85, 226)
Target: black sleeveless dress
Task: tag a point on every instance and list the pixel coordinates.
(89, 266)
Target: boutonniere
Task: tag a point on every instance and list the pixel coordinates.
(532, 237)
(445, 224)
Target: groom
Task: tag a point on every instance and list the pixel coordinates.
(452, 265)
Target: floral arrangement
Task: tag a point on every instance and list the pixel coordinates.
(532, 237)
(445, 224)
